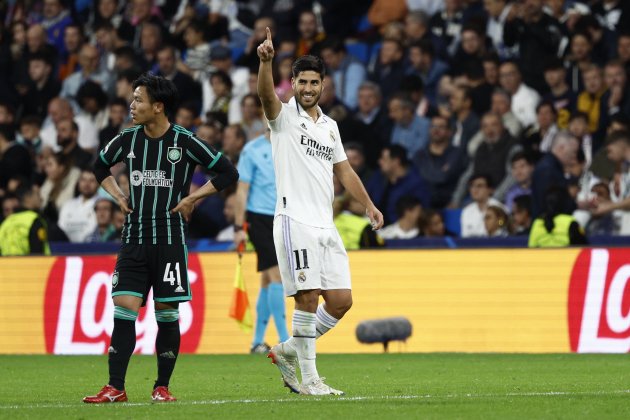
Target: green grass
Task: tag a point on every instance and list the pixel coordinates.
(467, 386)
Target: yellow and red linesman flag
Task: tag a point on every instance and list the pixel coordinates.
(239, 309)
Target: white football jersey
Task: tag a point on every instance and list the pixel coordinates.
(304, 153)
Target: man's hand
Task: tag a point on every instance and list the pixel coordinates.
(603, 208)
(185, 208)
(123, 202)
(376, 217)
(265, 50)
(240, 237)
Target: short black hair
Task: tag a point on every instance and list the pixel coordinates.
(308, 63)
(159, 89)
(396, 151)
(224, 77)
(485, 177)
(523, 202)
(546, 103)
(521, 156)
(619, 135)
(334, 43)
(406, 202)
(91, 89)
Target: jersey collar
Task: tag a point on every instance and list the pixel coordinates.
(293, 103)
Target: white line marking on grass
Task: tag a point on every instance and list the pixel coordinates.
(331, 398)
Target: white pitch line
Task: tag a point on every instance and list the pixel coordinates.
(333, 398)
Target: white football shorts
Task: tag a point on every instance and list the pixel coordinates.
(310, 257)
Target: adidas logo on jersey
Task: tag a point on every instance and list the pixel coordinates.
(131, 155)
(303, 126)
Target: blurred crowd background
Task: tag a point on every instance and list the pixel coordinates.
(460, 116)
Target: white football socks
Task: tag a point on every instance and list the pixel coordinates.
(303, 341)
(325, 321)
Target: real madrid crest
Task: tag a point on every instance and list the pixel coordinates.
(174, 154)
(302, 277)
(332, 136)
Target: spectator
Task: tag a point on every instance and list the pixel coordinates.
(107, 41)
(522, 215)
(407, 226)
(498, 12)
(221, 60)
(15, 159)
(389, 68)
(618, 151)
(105, 229)
(108, 12)
(522, 169)
(55, 17)
(623, 50)
(223, 105)
(424, 63)
(36, 42)
(211, 132)
(395, 178)
(28, 135)
(77, 217)
(410, 130)
(309, 34)
(10, 203)
(24, 232)
(432, 224)
(560, 95)
(373, 125)
(464, 121)
(480, 90)
(578, 126)
(347, 72)
(249, 58)
(92, 102)
(227, 233)
(471, 49)
(524, 98)
(492, 157)
(186, 116)
(61, 180)
(412, 85)
(472, 217)
(253, 121)
(617, 98)
(501, 104)
(197, 52)
(556, 227)
(537, 36)
(73, 40)
(283, 67)
(356, 159)
(42, 86)
(549, 171)
(234, 139)
(89, 60)
(67, 140)
(440, 163)
(141, 12)
(589, 101)
(167, 67)
(117, 115)
(538, 138)
(496, 222)
(417, 28)
(446, 25)
(579, 58)
(491, 65)
(150, 41)
(606, 223)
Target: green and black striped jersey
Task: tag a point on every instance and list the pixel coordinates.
(160, 171)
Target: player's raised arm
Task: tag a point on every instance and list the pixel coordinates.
(270, 101)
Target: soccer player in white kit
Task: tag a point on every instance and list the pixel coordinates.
(307, 151)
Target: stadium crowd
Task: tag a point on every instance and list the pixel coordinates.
(455, 107)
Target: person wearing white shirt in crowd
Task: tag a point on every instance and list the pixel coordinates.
(221, 59)
(524, 98)
(409, 211)
(77, 217)
(60, 109)
(227, 233)
(472, 218)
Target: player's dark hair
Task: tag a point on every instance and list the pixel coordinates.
(308, 63)
(159, 89)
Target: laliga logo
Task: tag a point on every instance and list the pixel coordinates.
(599, 302)
(78, 308)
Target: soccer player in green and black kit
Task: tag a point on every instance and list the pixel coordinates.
(160, 159)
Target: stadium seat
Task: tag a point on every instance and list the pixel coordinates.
(237, 52)
(360, 50)
(452, 220)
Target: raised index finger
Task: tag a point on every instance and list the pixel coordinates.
(268, 33)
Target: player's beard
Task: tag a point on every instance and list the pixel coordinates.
(307, 106)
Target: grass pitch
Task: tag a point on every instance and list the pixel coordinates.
(467, 386)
